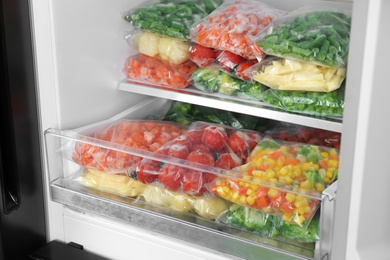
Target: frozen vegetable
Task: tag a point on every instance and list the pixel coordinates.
(273, 170)
(313, 34)
(203, 144)
(307, 102)
(171, 18)
(144, 135)
(201, 55)
(286, 74)
(119, 184)
(211, 79)
(295, 133)
(269, 225)
(168, 49)
(186, 113)
(148, 70)
(206, 207)
(230, 26)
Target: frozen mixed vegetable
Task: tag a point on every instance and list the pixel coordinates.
(313, 34)
(231, 26)
(171, 18)
(273, 170)
(287, 74)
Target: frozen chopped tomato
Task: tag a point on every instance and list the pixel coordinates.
(201, 55)
(214, 137)
(171, 176)
(241, 70)
(147, 171)
(229, 60)
(193, 183)
(202, 157)
(227, 161)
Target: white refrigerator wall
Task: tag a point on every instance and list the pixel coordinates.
(80, 52)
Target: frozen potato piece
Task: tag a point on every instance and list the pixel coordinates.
(119, 184)
(173, 50)
(211, 208)
(148, 43)
(278, 68)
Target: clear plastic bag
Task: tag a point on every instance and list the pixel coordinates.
(269, 225)
(230, 26)
(212, 79)
(281, 178)
(143, 135)
(172, 18)
(171, 50)
(318, 35)
(294, 75)
(302, 134)
(203, 149)
(307, 102)
(147, 70)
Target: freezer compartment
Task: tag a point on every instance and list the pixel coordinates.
(180, 218)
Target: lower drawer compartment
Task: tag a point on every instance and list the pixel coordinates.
(186, 219)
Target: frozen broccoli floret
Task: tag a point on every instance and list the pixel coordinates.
(311, 152)
(207, 79)
(228, 84)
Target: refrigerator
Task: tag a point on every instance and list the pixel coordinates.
(75, 81)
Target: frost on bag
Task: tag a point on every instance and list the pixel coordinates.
(282, 179)
(288, 74)
(167, 49)
(212, 79)
(142, 135)
(171, 18)
(308, 102)
(231, 26)
(203, 148)
(313, 34)
(147, 70)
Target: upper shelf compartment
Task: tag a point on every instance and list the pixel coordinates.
(234, 104)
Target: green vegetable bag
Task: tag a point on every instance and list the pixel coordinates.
(171, 18)
(313, 34)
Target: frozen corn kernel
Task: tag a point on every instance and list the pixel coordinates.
(257, 180)
(254, 186)
(324, 155)
(272, 193)
(273, 180)
(333, 164)
(290, 197)
(257, 173)
(319, 187)
(305, 184)
(326, 180)
(220, 191)
(283, 171)
(288, 180)
(242, 199)
(242, 183)
(235, 197)
(250, 200)
(333, 152)
(270, 174)
(226, 189)
(250, 192)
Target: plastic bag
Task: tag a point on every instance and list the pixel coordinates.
(143, 69)
(314, 34)
(203, 148)
(171, 18)
(296, 133)
(144, 135)
(229, 62)
(281, 178)
(268, 225)
(206, 207)
(307, 102)
(119, 184)
(185, 113)
(167, 49)
(212, 79)
(230, 26)
(287, 74)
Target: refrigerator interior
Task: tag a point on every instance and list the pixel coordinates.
(80, 52)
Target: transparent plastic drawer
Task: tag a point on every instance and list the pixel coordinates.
(189, 209)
